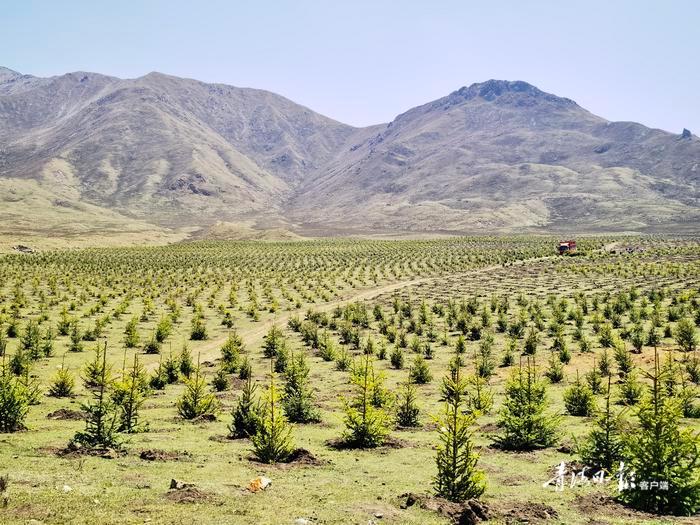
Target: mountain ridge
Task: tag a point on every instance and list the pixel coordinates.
(495, 156)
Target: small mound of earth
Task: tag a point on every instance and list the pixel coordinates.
(164, 455)
(74, 451)
(489, 428)
(566, 448)
(528, 512)
(188, 495)
(299, 456)
(389, 443)
(220, 438)
(204, 418)
(66, 414)
(604, 505)
(466, 513)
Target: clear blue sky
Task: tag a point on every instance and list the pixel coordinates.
(363, 62)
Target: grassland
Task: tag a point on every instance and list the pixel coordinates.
(395, 293)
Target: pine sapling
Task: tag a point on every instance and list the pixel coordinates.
(457, 478)
(604, 448)
(298, 398)
(220, 381)
(246, 417)
(630, 389)
(579, 399)
(101, 413)
(273, 442)
(129, 395)
(524, 420)
(555, 372)
(478, 397)
(63, 382)
(662, 451)
(366, 426)
(594, 379)
(420, 372)
(14, 402)
(396, 358)
(407, 410)
(196, 401)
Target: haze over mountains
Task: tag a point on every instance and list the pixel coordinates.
(86, 152)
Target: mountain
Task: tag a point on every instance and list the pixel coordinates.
(86, 151)
(507, 156)
(172, 151)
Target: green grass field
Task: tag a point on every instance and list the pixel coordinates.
(405, 294)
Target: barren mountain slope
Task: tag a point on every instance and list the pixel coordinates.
(174, 151)
(507, 156)
(179, 153)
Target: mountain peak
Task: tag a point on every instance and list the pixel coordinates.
(494, 89)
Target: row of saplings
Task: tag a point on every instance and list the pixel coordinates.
(656, 449)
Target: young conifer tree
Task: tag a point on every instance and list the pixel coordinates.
(231, 352)
(220, 381)
(457, 477)
(420, 371)
(407, 410)
(661, 451)
(366, 426)
(686, 335)
(196, 400)
(63, 382)
(273, 442)
(604, 448)
(273, 341)
(186, 365)
(131, 334)
(524, 420)
(246, 415)
(129, 395)
(298, 398)
(479, 396)
(579, 399)
(630, 389)
(102, 415)
(14, 401)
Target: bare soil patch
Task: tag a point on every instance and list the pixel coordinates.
(527, 512)
(389, 444)
(66, 414)
(596, 504)
(300, 457)
(180, 492)
(76, 451)
(466, 513)
(164, 455)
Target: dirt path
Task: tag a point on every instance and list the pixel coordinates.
(254, 335)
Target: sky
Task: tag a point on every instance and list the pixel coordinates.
(364, 62)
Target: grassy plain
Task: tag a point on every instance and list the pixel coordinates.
(261, 284)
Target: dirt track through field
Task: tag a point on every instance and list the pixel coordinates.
(253, 336)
